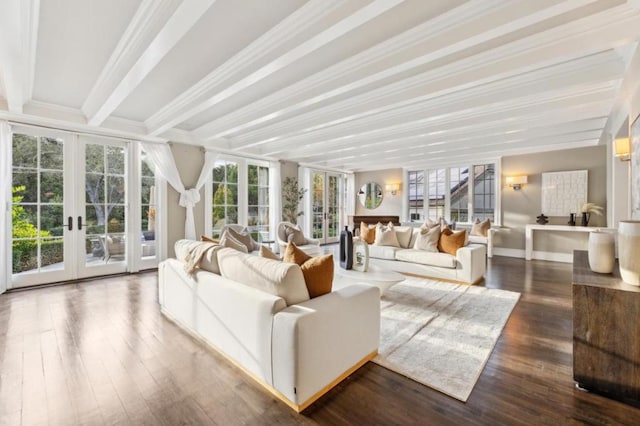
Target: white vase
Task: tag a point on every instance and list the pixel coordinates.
(602, 252)
(629, 251)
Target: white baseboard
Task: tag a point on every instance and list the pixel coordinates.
(508, 252)
(537, 255)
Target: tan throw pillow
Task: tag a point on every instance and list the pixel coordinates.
(427, 239)
(243, 237)
(294, 235)
(481, 229)
(266, 253)
(367, 234)
(451, 241)
(386, 235)
(317, 271)
(228, 241)
(404, 234)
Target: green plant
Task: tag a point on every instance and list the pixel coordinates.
(291, 196)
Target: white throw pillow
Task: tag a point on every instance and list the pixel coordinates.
(404, 234)
(427, 239)
(386, 235)
(228, 241)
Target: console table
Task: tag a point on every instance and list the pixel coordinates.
(606, 326)
(530, 228)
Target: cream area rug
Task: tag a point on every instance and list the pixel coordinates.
(441, 334)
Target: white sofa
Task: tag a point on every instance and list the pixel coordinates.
(258, 314)
(467, 266)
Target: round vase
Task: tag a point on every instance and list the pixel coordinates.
(602, 252)
(628, 249)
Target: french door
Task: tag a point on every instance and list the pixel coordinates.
(325, 206)
(69, 207)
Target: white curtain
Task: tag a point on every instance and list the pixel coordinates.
(5, 205)
(351, 195)
(162, 157)
(275, 195)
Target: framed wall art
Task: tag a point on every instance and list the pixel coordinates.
(564, 193)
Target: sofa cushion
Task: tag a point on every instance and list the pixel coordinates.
(368, 234)
(451, 241)
(422, 257)
(317, 271)
(427, 239)
(480, 229)
(383, 252)
(403, 233)
(294, 235)
(278, 278)
(243, 237)
(386, 235)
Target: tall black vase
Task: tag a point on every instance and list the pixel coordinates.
(585, 218)
(346, 249)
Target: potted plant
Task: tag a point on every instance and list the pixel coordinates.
(291, 197)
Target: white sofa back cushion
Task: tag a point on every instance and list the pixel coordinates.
(443, 260)
(274, 277)
(208, 261)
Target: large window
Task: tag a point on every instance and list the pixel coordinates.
(416, 196)
(258, 194)
(459, 194)
(240, 194)
(225, 195)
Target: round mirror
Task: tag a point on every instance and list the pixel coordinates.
(370, 195)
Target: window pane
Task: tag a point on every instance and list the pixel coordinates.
(436, 193)
(459, 193)
(25, 151)
(416, 196)
(51, 154)
(484, 192)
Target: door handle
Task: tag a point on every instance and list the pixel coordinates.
(80, 223)
(69, 223)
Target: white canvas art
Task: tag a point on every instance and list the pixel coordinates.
(564, 193)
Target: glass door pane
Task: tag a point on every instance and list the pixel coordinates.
(105, 240)
(148, 200)
(333, 208)
(317, 205)
(38, 211)
(258, 205)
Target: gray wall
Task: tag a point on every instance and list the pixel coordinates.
(521, 207)
(189, 160)
(391, 204)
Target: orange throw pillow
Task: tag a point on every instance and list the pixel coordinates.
(367, 234)
(268, 254)
(207, 239)
(451, 241)
(317, 271)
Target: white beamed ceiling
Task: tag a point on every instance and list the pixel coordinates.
(342, 84)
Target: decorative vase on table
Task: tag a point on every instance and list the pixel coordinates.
(629, 251)
(346, 249)
(360, 255)
(572, 219)
(602, 252)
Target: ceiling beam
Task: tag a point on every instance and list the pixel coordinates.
(465, 20)
(19, 21)
(181, 21)
(186, 106)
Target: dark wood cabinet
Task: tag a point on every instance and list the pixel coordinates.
(606, 332)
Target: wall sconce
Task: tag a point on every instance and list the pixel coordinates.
(623, 149)
(516, 182)
(392, 188)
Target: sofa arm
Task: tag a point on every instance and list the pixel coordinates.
(490, 235)
(317, 341)
(313, 241)
(472, 260)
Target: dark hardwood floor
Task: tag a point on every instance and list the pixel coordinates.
(100, 352)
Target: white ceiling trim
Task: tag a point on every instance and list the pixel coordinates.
(241, 118)
(149, 18)
(19, 18)
(330, 34)
(507, 108)
(182, 20)
(244, 118)
(336, 117)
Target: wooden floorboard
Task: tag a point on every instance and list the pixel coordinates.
(100, 352)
